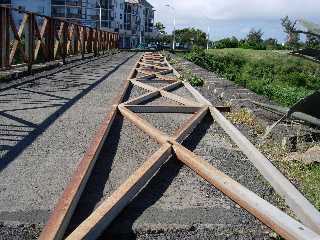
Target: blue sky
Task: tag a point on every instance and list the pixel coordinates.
(228, 18)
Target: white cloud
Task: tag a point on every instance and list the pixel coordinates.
(239, 9)
(201, 13)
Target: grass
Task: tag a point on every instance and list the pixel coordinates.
(245, 117)
(283, 78)
(252, 54)
(308, 177)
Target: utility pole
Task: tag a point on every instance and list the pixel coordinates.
(100, 14)
(208, 36)
(174, 26)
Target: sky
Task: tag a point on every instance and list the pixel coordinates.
(227, 18)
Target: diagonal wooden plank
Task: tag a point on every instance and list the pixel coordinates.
(17, 35)
(162, 109)
(39, 41)
(64, 209)
(58, 39)
(100, 219)
(190, 125)
(144, 125)
(304, 210)
(277, 220)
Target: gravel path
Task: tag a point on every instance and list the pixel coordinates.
(45, 128)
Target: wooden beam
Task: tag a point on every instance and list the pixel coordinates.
(144, 125)
(101, 218)
(156, 81)
(179, 99)
(169, 79)
(64, 209)
(304, 210)
(190, 125)
(277, 220)
(162, 109)
(142, 98)
(144, 86)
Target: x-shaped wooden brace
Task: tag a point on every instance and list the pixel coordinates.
(17, 35)
(100, 219)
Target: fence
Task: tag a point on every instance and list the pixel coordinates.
(28, 38)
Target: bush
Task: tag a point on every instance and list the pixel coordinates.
(282, 79)
(227, 43)
(196, 81)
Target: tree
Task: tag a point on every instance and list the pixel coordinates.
(271, 41)
(227, 43)
(255, 36)
(313, 41)
(191, 36)
(293, 35)
(160, 27)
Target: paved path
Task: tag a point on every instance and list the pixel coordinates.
(45, 128)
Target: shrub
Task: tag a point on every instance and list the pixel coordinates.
(227, 43)
(196, 81)
(283, 79)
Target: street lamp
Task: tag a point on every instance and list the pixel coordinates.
(100, 13)
(174, 26)
(208, 40)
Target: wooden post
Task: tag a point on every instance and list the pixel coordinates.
(95, 42)
(50, 38)
(4, 37)
(64, 42)
(29, 33)
(108, 41)
(83, 41)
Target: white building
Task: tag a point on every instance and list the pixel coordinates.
(137, 23)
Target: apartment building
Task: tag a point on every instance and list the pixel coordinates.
(79, 11)
(138, 23)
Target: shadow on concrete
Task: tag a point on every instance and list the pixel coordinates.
(93, 192)
(34, 130)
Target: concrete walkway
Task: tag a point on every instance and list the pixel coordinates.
(45, 128)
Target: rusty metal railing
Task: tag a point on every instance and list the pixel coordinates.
(27, 38)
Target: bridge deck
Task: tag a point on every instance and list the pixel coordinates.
(45, 128)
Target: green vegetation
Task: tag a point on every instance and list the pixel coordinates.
(308, 177)
(191, 36)
(194, 80)
(283, 78)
